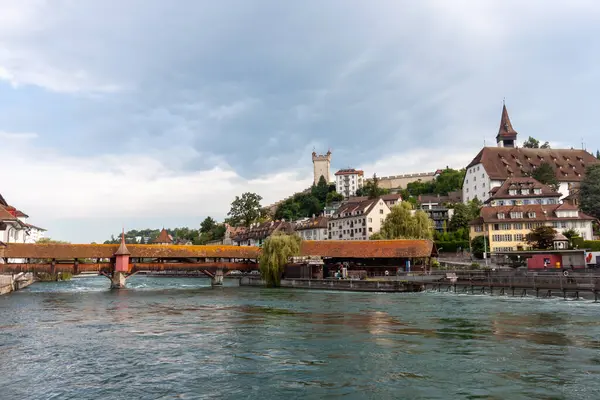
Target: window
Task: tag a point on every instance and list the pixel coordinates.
(517, 226)
(524, 191)
(537, 191)
(370, 229)
(505, 227)
(516, 215)
(478, 228)
(519, 237)
(370, 219)
(531, 214)
(500, 215)
(512, 192)
(381, 211)
(528, 225)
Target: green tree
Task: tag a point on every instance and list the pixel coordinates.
(371, 189)
(207, 225)
(245, 209)
(545, 174)
(571, 234)
(461, 218)
(533, 143)
(47, 240)
(449, 180)
(276, 252)
(541, 238)
(478, 246)
(333, 197)
(598, 154)
(400, 223)
(589, 192)
(320, 190)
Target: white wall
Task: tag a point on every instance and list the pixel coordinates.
(477, 183)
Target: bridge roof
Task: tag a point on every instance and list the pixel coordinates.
(368, 248)
(325, 248)
(68, 251)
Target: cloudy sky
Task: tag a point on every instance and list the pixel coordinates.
(151, 113)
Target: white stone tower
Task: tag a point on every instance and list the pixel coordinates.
(321, 165)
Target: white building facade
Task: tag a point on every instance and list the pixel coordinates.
(315, 228)
(358, 220)
(348, 181)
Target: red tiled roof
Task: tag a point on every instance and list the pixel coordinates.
(163, 237)
(542, 213)
(264, 230)
(530, 183)
(5, 215)
(502, 163)
(350, 171)
(368, 248)
(16, 213)
(312, 223)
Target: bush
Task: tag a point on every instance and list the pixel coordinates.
(452, 246)
(593, 245)
(435, 264)
(475, 265)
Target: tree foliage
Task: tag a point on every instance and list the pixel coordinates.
(533, 143)
(478, 246)
(589, 192)
(400, 223)
(245, 210)
(463, 215)
(207, 225)
(51, 241)
(305, 205)
(276, 253)
(333, 197)
(320, 190)
(541, 238)
(371, 189)
(598, 154)
(449, 180)
(545, 174)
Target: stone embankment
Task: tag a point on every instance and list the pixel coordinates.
(11, 283)
(343, 284)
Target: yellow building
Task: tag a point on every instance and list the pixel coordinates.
(506, 227)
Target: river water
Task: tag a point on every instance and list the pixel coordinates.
(166, 338)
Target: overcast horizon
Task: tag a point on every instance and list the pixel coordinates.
(144, 114)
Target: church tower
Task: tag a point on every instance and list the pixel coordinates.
(507, 136)
(321, 165)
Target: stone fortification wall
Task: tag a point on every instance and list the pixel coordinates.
(400, 181)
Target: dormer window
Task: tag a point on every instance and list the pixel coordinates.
(516, 215)
(500, 215)
(537, 191)
(512, 192)
(524, 191)
(531, 214)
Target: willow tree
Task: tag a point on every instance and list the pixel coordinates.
(276, 252)
(403, 223)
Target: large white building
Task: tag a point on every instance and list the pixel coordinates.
(14, 228)
(348, 181)
(358, 220)
(494, 165)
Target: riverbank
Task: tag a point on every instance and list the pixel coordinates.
(395, 286)
(9, 283)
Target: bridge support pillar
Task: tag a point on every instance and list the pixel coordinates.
(118, 280)
(217, 279)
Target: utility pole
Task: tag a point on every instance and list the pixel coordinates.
(485, 246)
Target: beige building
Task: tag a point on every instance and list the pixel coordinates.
(321, 166)
(506, 227)
(358, 220)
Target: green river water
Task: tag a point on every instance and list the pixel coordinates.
(166, 338)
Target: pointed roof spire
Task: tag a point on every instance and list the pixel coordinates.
(122, 250)
(506, 129)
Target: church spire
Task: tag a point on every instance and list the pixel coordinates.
(507, 136)
(122, 250)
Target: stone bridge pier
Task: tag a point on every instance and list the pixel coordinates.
(216, 279)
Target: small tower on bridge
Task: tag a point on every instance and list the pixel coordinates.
(121, 265)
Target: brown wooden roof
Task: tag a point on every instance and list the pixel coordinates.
(68, 251)
(502, 163)
(368, 248)
(163, 237)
